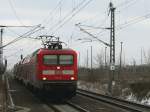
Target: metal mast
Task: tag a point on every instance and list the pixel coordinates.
(112, 46)
(121, 57)
(1, 49)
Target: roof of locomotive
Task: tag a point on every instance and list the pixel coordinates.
(45, 50)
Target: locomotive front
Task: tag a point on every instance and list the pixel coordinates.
(58, 70)
(51, 69)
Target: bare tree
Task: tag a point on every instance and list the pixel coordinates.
(148, 57)
(99, 59)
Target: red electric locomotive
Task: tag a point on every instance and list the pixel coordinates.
(51, 68)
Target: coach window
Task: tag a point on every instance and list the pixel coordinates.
(50, 59)
(65, 59)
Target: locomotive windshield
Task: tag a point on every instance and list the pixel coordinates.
(50, 59)
(58, 59)
(65, 59)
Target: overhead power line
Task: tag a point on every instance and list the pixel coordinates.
(16, 26)
(128, 23)
(65, 17)
(32, 31)
(126, 3)
(134, 21)
(47, 19)
(14, 11)
(72, 15)
(12, 26)
(78, 25)
(20, 35)
(69, 16)
(95, 27)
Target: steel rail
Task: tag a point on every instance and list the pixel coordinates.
(77, 107)
(123, 104)
(61, 106)
(66, 107)
(3, 92)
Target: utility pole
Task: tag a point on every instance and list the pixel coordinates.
(112, 48)
(105, 57)
(91, 58)
(111, 45)
(141, 56)
(121, 57)
(1, 49)
(120, 65)
(87, 61)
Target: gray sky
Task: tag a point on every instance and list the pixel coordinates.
(50, 13)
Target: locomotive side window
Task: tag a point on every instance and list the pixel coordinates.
(50, 59)
(65, 59)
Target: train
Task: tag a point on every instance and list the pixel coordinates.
(49, 69)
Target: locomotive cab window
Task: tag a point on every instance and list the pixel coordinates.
(58, 59)
(50, 59)
(65, 59)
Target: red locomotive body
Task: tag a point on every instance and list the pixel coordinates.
(49, 69)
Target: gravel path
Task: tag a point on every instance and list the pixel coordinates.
(2, 96)
(25, 100)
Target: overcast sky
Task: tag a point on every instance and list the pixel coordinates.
(51, 13)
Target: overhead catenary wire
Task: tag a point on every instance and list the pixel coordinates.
(67, 20)
(134, 21)
(73, 15)
(15, 13)
(15, 40)
(24, 35)
(19, 35)
(93, 36)
(28, 48)
(60, 9)
(67, 15)
(47, 19)
(32, 38)
(103, 22)
(94, 27)
(127, 24)
(126, 3)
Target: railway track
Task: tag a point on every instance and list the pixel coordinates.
(86, 104)
(67, 107)
(116, 102)
(50, 105)
(3, 93)
(56, 105)
(60, 106)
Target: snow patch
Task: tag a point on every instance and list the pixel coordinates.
(96, 87)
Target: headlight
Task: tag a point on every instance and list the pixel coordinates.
(68, 72)
(48, 72)
(72, 78)
(44, 78)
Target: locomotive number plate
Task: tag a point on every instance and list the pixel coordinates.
(58, 72)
